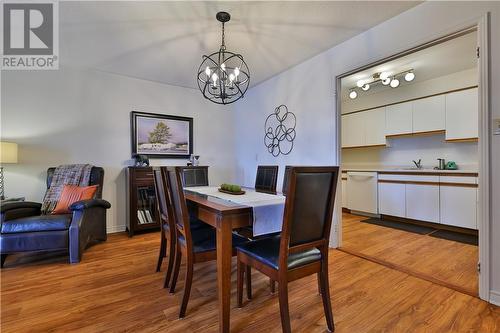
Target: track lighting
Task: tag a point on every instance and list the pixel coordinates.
(385, 78)
(353, 94)
(409, 76)
(394, 83)
(365, 87)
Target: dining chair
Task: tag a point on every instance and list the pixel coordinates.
(302, 248)
(286, 176)
(266, 179)
(196, 245)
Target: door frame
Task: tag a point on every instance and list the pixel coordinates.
(482, 26)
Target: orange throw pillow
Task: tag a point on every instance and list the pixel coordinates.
(71, 194)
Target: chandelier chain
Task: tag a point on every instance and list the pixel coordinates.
(223, 45)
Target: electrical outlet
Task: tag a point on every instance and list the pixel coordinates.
(496, 127)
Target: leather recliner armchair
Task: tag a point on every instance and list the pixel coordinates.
(24, 229)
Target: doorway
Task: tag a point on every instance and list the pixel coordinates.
(428, 223)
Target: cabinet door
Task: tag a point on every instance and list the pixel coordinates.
(374, 127)
(429, 114)
(462, 115)
(459, 206)
(398, 119)
(353, 130)
(391, 199)
(422, 202)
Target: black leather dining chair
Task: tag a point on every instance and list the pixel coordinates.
(196, 245)
(266, 178)
(302, 248)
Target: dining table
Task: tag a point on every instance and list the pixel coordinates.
(225, 216)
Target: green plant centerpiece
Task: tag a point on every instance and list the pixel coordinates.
(231, 189)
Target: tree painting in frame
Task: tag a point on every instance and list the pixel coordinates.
(161, 136)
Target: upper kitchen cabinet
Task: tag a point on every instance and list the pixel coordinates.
(353, 130)
(374, 127)
(398, 119)
(429, 114)
(462, 115)
(363, 129)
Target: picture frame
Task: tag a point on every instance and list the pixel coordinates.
(161, 136)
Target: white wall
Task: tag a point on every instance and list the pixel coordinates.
(83, 116)
(308, 90)
(405, 92)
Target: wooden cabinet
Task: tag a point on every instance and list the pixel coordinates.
(391, 199)
(353, 130)
(398, 119)
(462, 115)
(429, 114)
(142, 213)
(422, 202)
(374, 127)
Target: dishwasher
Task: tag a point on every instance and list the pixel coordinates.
(362, 195)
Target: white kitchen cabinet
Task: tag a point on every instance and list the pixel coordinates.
(398, 119)
(391, 199)
(353, 130)
(429, 114)
(374, 126)
(422, 202)
(458, 206)
(344, 192)
(462, 115)
(362, 195)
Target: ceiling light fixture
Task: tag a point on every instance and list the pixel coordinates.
(223, 76)
(410, 76)
(394, 83)
(353, 94)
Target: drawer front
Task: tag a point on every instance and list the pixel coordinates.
(409, 178)
(458, 180)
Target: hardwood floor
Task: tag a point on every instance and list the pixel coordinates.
(115, 289)
(441, 261)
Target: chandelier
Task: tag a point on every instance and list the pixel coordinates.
(223, 76)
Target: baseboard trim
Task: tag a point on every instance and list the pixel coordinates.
(495, 297)
(116, 228)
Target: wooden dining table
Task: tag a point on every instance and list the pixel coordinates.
(224, 216)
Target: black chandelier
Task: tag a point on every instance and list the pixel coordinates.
(223, 76)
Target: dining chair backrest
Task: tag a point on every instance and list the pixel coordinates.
(309, 208)
(180, 209)
(286, 177)
(194, 176)
(163, 197)
(266, 179)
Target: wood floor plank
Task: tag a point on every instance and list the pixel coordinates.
(115, 289)
(450, 262)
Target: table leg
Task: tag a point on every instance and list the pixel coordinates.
(224, 255)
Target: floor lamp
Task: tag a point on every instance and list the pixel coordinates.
(8, 154)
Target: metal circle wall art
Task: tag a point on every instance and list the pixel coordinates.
(280, 131)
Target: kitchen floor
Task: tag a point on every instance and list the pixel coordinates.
(448, 263)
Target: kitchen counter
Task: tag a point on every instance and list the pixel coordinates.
(412, 171)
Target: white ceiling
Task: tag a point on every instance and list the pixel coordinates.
(443, 59)
(164, 41)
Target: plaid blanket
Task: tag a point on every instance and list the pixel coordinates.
(71, 174)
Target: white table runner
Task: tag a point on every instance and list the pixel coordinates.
(268, 209)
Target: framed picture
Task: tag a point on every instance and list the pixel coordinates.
(161, 136)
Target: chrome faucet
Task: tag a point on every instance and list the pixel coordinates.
(418, 164)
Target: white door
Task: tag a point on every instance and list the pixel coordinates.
(344, 193)
(422, 202)
(374, 126)
(462, 115)
(391, 199)
(398, 119)
(429, 114)
(353, 130)
(459, 206)
(362, 194)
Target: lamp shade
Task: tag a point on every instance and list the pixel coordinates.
(8, 152)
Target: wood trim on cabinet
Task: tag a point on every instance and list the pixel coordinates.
(423, 173)
(416, 134)
(462, 140)
(413, 99)
(459, 184)
(353, 147)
